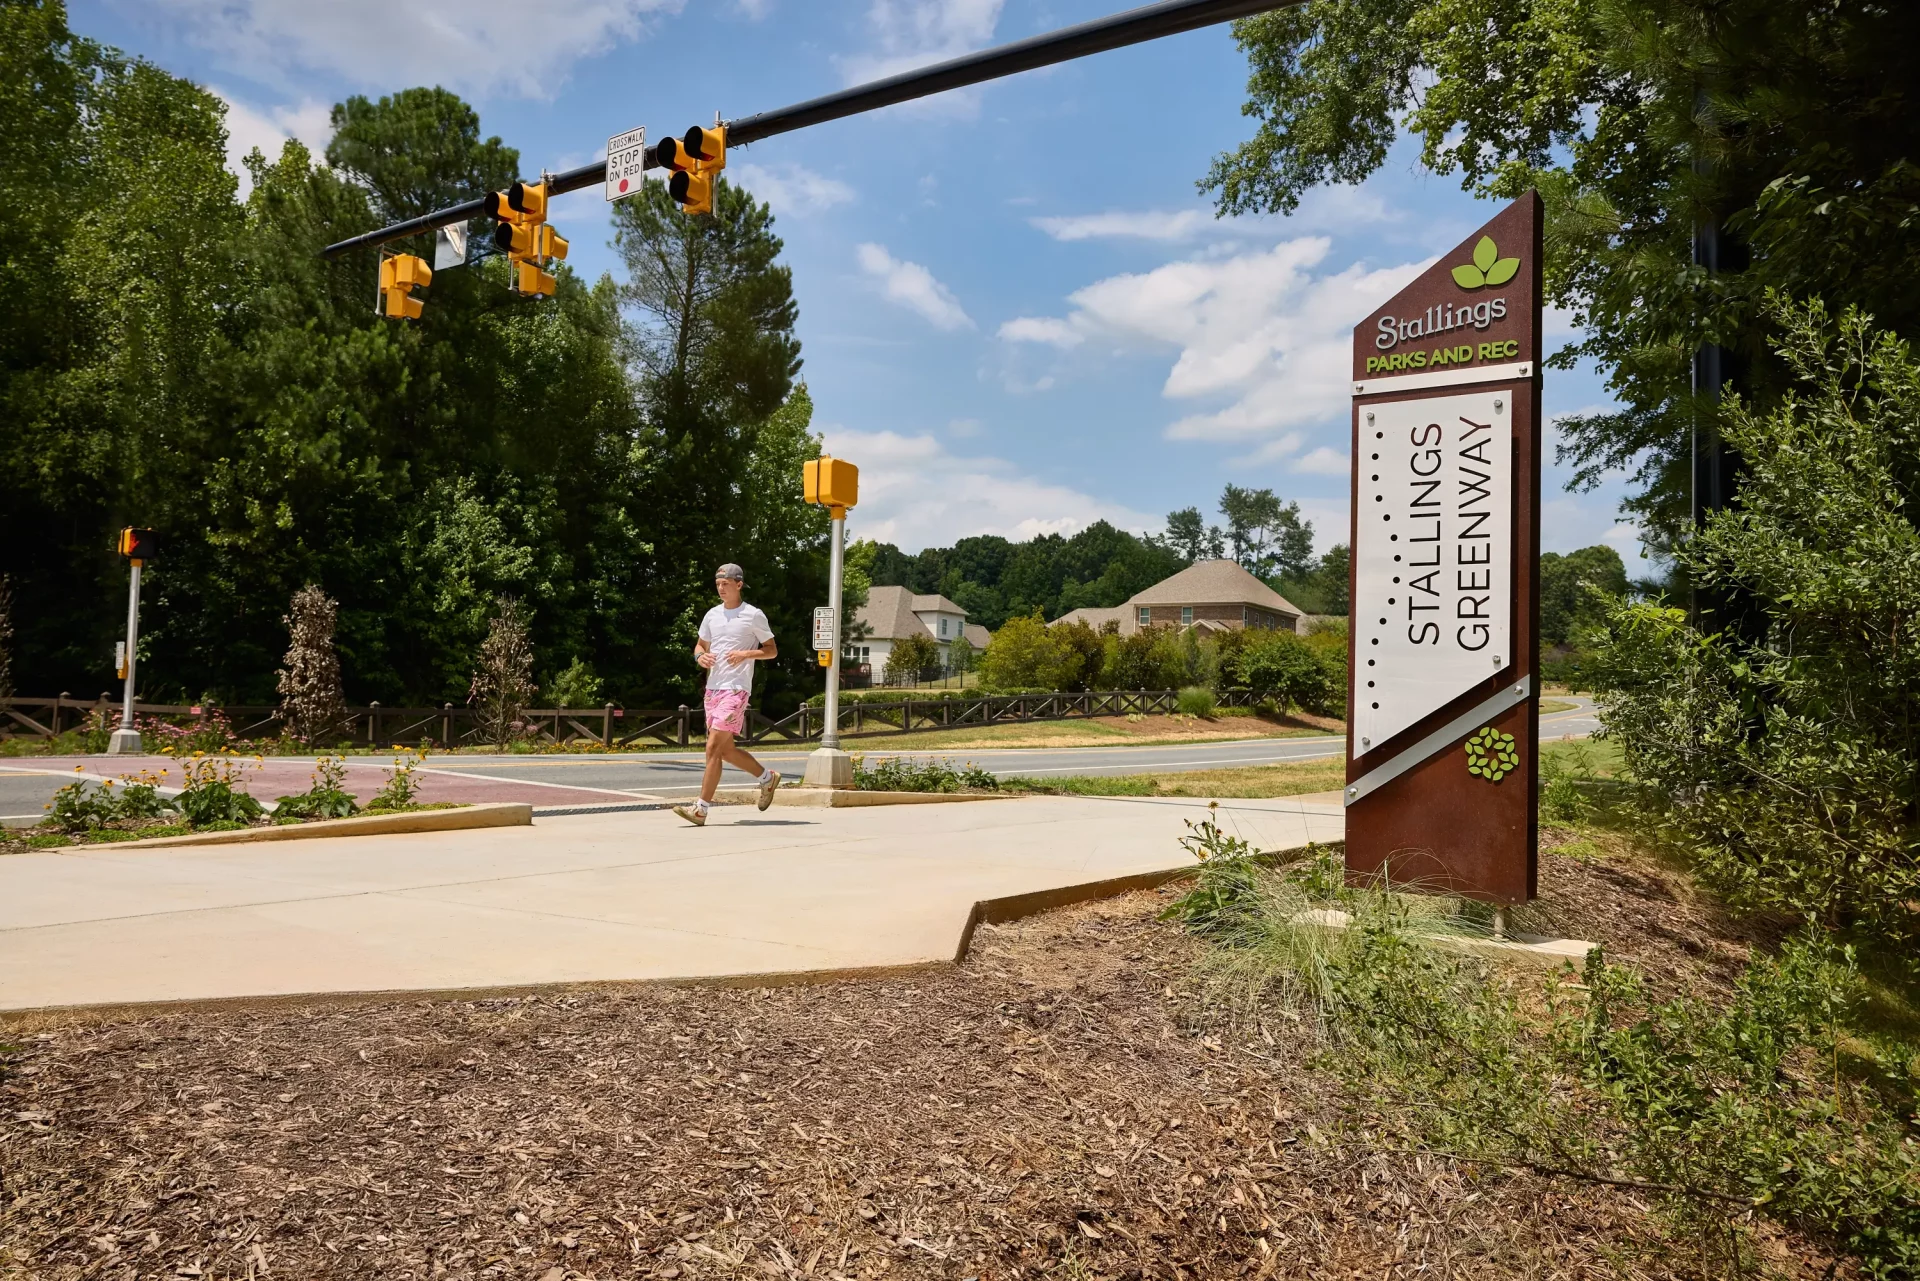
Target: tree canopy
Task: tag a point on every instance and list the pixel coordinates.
(1790, 122)
(178, 358)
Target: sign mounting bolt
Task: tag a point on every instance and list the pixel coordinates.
(1499, 406)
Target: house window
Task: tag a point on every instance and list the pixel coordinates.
(1186, 616)
(943, 627)
(1146, 616)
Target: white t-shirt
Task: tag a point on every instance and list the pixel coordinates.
(726, 630)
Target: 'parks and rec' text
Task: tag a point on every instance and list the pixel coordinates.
(1464, 354)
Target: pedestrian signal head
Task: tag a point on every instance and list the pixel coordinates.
(138, 544)
(400, 275)
(830, 482)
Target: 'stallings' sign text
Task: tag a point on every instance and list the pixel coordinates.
(1441, 760)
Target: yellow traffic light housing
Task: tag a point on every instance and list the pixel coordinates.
(830, 482)
(524, 236)
(400, 275)
(694, 160)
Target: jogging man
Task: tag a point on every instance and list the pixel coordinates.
(732, 636)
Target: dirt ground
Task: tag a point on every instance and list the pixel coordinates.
(1102, 731)
(1047, 1107)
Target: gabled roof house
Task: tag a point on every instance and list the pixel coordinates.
(1212, 595)
(892, 613)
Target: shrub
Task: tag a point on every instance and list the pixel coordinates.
(6, 636)
(909, 657)
(1281, 666)
(326, 798)
(903, 774)
(1195, 700)
(215, 791)
(80, 806)
(1026, 654)
(502, 688)
(312, 705)
(1089, 651)
(576, 687)
(1781, 752)
(207, 733)
(1226, 883)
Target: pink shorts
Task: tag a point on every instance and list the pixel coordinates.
(727, 710)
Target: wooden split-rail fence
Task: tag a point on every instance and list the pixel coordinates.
(449, 726)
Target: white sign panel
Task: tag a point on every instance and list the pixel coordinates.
(626, 163)
(822, 627)
(1433, 556)
(450, 247)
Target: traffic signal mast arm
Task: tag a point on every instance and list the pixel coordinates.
(1135, 26)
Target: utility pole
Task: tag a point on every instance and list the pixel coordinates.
(833, 483)
(137, 545)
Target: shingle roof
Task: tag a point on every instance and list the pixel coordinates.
(1094, 616)
(1215, 582)
(936, 603)
(977, 635)
(888, 614)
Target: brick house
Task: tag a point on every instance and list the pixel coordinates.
(1213, 595)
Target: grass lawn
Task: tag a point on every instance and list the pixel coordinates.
(1548, 706)
(1104, 731)
(1245, 783)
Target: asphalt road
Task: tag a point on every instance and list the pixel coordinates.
(577, 781)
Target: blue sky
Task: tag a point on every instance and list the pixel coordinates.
(1018, 313)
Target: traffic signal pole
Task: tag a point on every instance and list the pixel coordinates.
(126, 739)
(1135, 26)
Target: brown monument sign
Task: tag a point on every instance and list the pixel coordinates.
(1443, 692)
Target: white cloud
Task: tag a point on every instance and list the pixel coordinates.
(916, 494)
(754, 10)
(1042, 329)
(250, 127)
(1324, 461)
(913, 287)
(793, 190)
(468, 45)
(1264, 342)
(1149, 224)
(915, 33)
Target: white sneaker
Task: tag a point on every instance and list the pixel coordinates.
(768, 788)
(692, 813)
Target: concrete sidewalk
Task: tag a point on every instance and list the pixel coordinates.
(619, 896)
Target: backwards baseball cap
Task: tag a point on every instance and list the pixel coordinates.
(731, 570)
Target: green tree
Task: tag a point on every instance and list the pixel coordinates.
(1578, 591)
(416, 151)
(909, 659)
(1026, 654)
(1264, 534)
(1792, 122)
(1791, 756)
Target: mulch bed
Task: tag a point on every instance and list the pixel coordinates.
(1048, 1107)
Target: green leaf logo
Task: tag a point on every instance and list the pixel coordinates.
(1491, 754)
(1487, 267)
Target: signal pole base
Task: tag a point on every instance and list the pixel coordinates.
(125, 742)
(829, 767)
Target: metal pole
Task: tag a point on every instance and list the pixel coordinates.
(828, 766)
(830, 737)
(126, 739)
(1135, 26)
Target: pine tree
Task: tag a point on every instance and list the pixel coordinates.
(312, 705)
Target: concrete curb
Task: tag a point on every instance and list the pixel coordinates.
(490, 814)
(849, 798)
